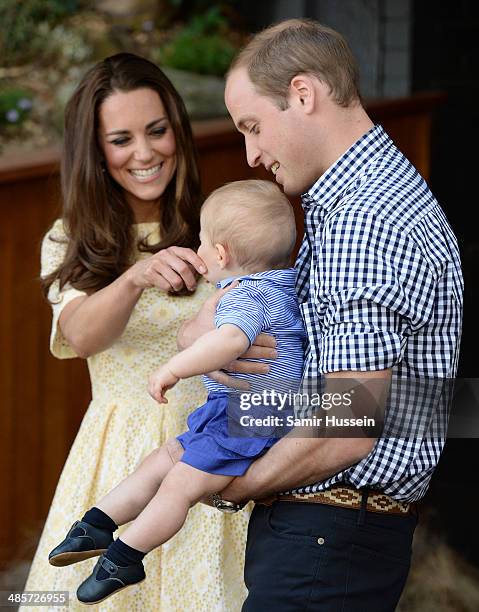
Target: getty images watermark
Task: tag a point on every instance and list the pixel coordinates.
(303, 410)
(281, 410)
(414, 408)
(270, 397)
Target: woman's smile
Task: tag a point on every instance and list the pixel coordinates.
(139, 145)
(146, 175)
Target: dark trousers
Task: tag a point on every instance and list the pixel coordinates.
(303, 556)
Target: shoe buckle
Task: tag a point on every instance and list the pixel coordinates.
(76, 525)
(108, 566)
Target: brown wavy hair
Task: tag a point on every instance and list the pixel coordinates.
(96, 216)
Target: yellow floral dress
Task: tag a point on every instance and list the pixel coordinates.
(201, 568)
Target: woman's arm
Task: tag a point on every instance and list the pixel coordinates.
(90, 324)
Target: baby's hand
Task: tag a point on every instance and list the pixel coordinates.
(160, 381)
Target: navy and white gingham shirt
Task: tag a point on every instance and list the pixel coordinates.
(380, 286)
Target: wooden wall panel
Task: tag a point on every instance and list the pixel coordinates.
(26, 371)
(7, 447)
(36, 429)
(44, 399)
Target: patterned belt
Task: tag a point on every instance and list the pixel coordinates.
(346, 497)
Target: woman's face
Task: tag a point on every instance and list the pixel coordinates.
(139, 147)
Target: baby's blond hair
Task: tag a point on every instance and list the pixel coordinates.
(254, 220)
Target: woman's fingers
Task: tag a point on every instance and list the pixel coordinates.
(164, 277)
(175, 269)
(190, 256)
(172, 269)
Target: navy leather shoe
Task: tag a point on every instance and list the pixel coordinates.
(92, 590)
(89, 542)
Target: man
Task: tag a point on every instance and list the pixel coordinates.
(380, 288)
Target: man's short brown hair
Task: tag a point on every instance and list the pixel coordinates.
(277, 54)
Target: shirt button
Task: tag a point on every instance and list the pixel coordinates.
(320, 541)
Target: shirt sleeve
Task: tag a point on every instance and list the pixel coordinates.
(241, 307)
(376, 289)
(53, 251)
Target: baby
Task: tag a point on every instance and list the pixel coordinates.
(247, 235)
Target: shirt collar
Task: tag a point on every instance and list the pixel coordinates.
(328, 189)
(284, 276)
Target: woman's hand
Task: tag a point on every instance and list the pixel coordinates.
(170, 270)
(159, 383)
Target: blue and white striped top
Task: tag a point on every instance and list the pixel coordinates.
(380, 286)
(266, 302)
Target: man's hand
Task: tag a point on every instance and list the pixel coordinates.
(160, 381)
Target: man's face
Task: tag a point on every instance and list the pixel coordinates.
(273, 137)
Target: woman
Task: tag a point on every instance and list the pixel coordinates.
(121, 275)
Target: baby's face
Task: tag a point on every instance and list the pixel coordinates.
(209, 255)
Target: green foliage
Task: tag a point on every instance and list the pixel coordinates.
(20, 21)
(15, 105)
(200, 46)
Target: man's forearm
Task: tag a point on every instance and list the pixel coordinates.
(203, 322)
(295, 462)
(187, 334)
(194, 328)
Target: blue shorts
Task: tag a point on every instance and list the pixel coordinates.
(208, 445)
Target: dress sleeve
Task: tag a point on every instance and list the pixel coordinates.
(54, 247)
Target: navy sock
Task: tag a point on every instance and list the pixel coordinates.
(100, 519)
(121, 554)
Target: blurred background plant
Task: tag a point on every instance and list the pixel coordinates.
(202, 45)
(47, 45)
(24, 25)
(15, 106)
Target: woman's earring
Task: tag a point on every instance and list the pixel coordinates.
(103, 167)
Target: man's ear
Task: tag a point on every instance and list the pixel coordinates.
(303, 91)
(222, 255)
